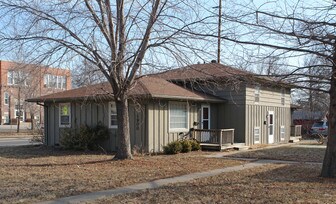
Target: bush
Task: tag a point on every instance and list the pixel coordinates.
(183, 146)
(172, 147)
(86, 138)
(186, 146)
(195, 146)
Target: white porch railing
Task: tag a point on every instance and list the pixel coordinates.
(215, 137)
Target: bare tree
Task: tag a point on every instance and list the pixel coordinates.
(85, 74)
(292, 30)
(112, 36)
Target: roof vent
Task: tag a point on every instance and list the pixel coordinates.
(213, 61)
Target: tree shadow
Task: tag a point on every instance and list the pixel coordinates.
(41, 151)
(287, 153)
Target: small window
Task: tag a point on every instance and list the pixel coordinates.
(64, 82)
(282, 96)
(46, 80)
(178, 116)
(256, 135)
(10, 79)
(282, 133)
(113, 115)
(65, 115)
(6, 97)
(257, 94)
(59, 82)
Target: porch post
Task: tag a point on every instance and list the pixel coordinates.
(220, 137)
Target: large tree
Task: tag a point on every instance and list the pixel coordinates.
(112, 37)
(293, 30)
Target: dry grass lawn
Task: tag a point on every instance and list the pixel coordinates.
(36, 173)
(276, 183)
(297, 152)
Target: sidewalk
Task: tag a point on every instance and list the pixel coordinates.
(161, 182)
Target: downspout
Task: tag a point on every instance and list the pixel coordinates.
(45, 122)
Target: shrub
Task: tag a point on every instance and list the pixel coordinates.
(186, 146)
(183, 146)
(86, 138)
(172, 147)
(195, 146)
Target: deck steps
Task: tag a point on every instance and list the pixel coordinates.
(295, 139)
(235, 146)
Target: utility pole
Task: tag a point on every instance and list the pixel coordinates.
(219, 30)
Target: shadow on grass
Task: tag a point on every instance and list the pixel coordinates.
(41, 151)
(287, 153)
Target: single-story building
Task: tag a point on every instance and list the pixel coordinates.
(164, 106)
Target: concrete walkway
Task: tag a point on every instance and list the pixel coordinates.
(162, 182)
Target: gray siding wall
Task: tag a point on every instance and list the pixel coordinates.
(256, 112)
(269, 96)
(233, 116)
(90, 114)
(282, 117)
(158, 123)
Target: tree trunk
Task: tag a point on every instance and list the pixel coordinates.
(329, 162)
(124, 147)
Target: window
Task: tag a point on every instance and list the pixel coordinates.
(59, 82)
(6, 118)
(282, 96)
(113, 115)
(282, 133)
(257, 94)
(16, 77)
(64, 115)
(46, 80)
(178, 116)
(64, 82)
(53, 81)
(256, 135)
(10, 79)
(6, 97)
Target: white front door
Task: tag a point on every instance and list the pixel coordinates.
(205, 117)
(270, 123)
(205, 123)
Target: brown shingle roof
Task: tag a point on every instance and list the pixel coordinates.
(203, 71)
(148, 87)
(216, 71)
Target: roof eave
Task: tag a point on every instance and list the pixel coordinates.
(190, 98)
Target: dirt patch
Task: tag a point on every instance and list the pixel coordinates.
(35, 173)
(279, 183)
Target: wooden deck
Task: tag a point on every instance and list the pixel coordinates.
(217, 139)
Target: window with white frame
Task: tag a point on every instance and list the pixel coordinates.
(64, 82)
(178, 116)
(257, 94)
(17, 77)
(113, 115)
(282, 133)
(283, 96)
(53, 81)
(256, 135)
(10, 77)
(6, 118)
(64, 115)
(6, 98)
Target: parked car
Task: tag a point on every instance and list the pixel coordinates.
(319, 128)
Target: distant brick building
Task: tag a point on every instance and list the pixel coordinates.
(21, 81)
